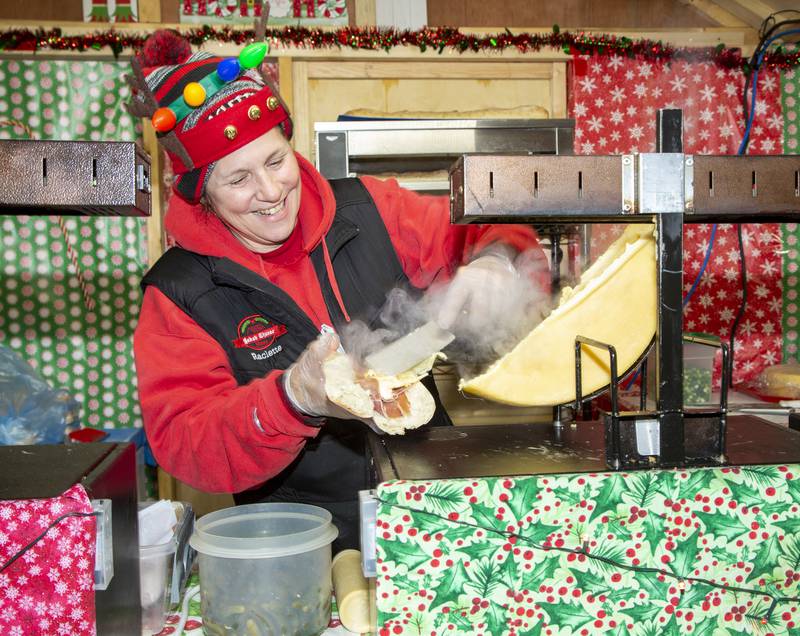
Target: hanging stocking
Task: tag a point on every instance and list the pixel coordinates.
(123, 12)
(99, 12)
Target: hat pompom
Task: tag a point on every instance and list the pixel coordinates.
(165, 47)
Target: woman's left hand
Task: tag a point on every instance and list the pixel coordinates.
(478, 293)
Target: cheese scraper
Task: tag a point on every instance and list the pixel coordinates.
(407, 352)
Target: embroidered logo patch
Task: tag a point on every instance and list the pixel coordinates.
(258, 333)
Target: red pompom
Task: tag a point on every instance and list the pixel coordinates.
(165, 47)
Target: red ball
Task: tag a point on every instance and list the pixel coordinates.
(163, 120)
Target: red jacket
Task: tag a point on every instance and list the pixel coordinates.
(199, 421)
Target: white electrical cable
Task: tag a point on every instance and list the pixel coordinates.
(190, 594)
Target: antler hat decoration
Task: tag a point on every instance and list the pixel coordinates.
(204, 107)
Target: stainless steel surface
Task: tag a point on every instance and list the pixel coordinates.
(660, 183)
(74, 178)
(628, 185)
(732, 186)
(548, 189)
(446, 136)
(489, 188)
(407, 352)
(528, 449)
(425, 145)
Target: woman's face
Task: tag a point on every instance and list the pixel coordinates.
(255, 190)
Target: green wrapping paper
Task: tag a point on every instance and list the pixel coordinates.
(646, 553)
(44, 316)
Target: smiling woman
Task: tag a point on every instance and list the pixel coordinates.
(271, 262)
(256, 190)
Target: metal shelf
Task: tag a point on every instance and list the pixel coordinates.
(370, 147)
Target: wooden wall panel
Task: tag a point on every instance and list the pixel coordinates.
(44, 10)
(630, 14)
(169, 10)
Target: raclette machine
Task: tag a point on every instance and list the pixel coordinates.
(666, 188)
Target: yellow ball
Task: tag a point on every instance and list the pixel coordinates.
(194, 94)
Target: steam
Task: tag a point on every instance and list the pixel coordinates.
(483, 334)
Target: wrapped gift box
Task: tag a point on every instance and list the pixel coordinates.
(701, 551)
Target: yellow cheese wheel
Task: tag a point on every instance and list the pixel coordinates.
(614, 302)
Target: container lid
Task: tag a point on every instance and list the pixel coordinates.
(263, 531)
(168, 547)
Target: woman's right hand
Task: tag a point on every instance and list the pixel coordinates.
(304, 381)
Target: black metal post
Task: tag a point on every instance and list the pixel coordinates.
(556, 256)
(669, 367)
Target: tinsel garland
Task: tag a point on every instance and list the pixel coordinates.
(373, 39)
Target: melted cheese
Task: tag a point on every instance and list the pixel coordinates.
(614, 302)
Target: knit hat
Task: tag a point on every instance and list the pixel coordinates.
(203, 107)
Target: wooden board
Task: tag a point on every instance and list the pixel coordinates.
(322, 90)
(610, 14)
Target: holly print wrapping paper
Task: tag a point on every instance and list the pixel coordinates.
(711, 551)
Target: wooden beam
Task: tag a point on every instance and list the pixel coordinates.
(714, 12)
(285, 82)
(155, 226)
(753, 12)
(365, 13)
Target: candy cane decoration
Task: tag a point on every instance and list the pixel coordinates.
(88, 301)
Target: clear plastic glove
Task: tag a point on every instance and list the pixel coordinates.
(304, 383)
(478, 294)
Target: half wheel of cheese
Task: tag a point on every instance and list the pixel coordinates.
(614, 302)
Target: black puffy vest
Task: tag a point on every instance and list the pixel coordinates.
(261, 328)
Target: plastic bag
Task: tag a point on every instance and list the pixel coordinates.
(30, 411)
(780, 380)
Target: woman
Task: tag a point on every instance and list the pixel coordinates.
(272, 261)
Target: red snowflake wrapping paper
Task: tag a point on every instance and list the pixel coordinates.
(614, 101)
(49, 590)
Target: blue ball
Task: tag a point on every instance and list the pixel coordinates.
(228, 69)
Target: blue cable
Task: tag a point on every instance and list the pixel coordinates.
(689, 294)
(740, 151)
(746, 135)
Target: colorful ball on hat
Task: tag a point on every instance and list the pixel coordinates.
(253, 54)
(163, 119)
(228, 69)
(194, 94)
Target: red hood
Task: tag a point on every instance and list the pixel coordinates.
(202, 232)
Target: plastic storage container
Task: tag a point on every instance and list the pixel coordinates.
(698, 367)
(265, 569)
(155, 577)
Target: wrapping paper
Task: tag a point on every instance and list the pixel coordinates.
(50, 588)
(566, 554)
(614, 101)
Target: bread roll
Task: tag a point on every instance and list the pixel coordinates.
(395, 403)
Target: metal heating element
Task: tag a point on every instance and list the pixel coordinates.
(74, 178)
(661, 188)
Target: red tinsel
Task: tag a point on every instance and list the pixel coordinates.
(373, 39)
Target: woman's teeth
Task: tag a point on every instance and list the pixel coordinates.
(270, 211)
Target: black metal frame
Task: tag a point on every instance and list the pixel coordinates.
(666, 189)
(707, 443)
